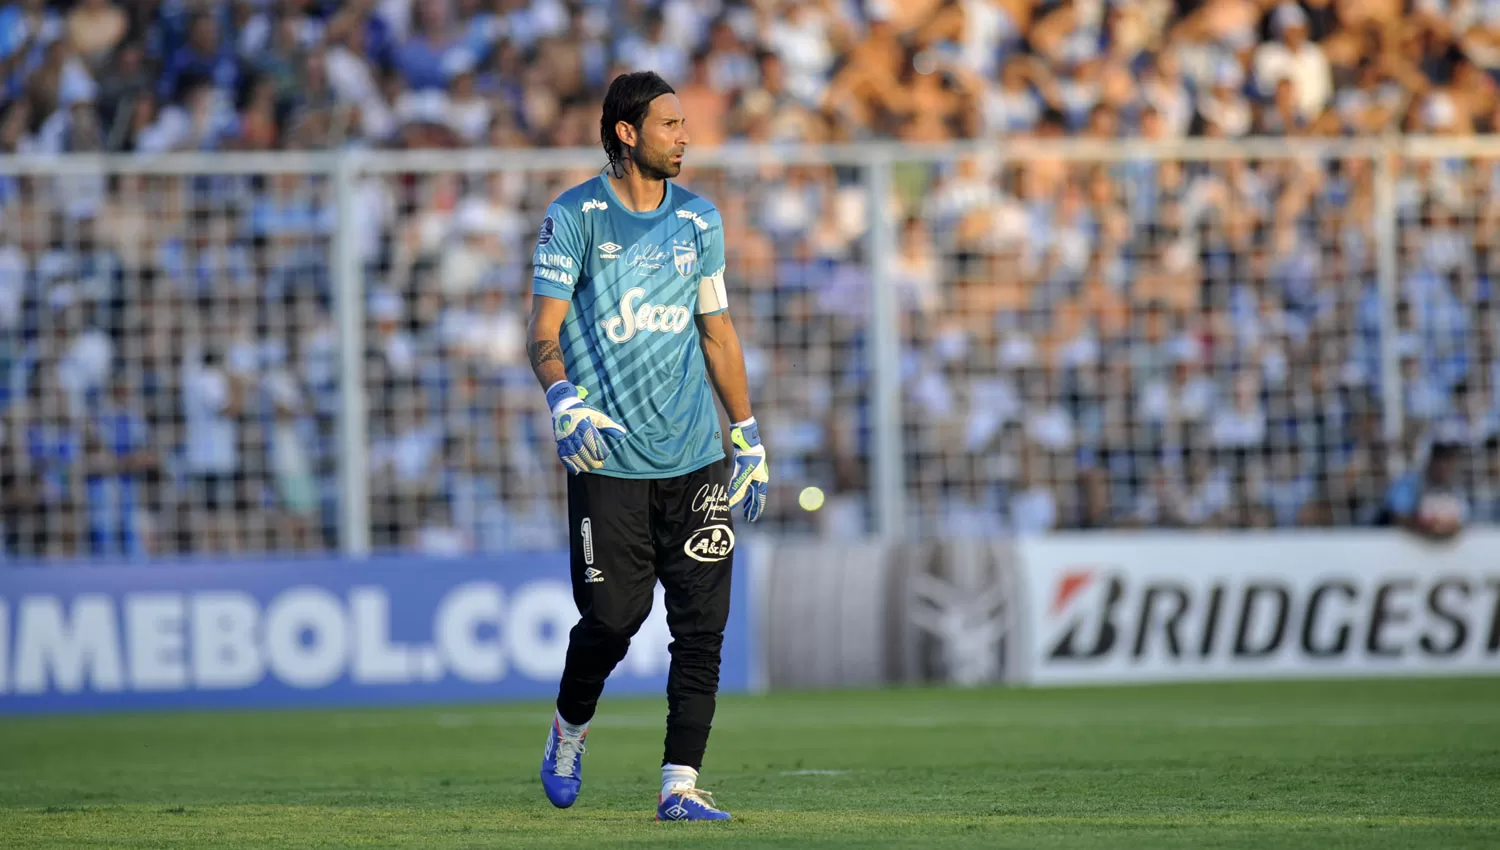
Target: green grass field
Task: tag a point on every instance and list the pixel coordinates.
(1398, 764)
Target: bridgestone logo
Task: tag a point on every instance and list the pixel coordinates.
(1105, 615)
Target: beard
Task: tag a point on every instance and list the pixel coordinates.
(655, 165)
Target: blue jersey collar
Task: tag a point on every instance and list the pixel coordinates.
(666, 200)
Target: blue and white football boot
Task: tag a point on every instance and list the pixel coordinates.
(689, 804)
(562, 765)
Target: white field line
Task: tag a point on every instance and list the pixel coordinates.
(845, 720)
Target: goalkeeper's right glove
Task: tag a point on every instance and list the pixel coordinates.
(579, 430)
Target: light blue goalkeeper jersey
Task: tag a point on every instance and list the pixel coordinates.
(636, 282)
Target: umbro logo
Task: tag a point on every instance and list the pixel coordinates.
(676, 812)
(592, 575)
(610, 251)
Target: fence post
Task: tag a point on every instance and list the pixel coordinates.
(1387, 235)
(349, 316)
(889, 487)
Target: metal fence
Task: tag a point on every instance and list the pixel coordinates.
(325, 350)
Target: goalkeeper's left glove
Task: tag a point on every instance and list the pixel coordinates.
(751, 474)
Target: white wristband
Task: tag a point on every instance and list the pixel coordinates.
(566, 401)
(747, 423)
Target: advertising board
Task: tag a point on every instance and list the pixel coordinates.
(285, 633)
(1154, 607)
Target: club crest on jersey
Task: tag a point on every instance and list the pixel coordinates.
(685, 258)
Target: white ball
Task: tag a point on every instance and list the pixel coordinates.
(1442, 511)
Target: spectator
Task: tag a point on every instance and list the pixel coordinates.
(972, 510)
(121, 458)
(203, 57)
(20, 490)
(1289, 489)
(1223, 108)
(1241, 425)
(280, 61)
(652, 51)
(95, 27)
(213, 401)
(291, 462)
(393, 345)
(351, 73)
(916, 273)
(1207, 495)
(259, 123)
(55, 453)
(1296, 59)
(490, 333)
(803, 38)
(82, 367)
(438, 535)
(1094, 509)
(1033, 506)
(1160, 502)
(1426, 500)
(422, 53)
(14, 269)
(707, 103)
(1486, 493)
(204, 122)
(468, 112)
(404, 463)
(1169, 96)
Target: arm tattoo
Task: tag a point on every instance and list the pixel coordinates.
(543, 350)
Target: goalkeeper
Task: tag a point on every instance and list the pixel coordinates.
(628, 327)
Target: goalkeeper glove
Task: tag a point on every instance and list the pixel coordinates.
(751, 474)
(579, 430)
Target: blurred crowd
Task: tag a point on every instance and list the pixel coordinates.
(158, 75)
(1085, 345)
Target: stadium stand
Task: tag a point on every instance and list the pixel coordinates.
(1086, 344)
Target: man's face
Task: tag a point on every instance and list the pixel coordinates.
(661, 141)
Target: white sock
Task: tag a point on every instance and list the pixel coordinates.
(570, 728)
(676, 776)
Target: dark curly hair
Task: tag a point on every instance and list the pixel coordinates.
(628, 100)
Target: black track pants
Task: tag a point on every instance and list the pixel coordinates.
(626, 535)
